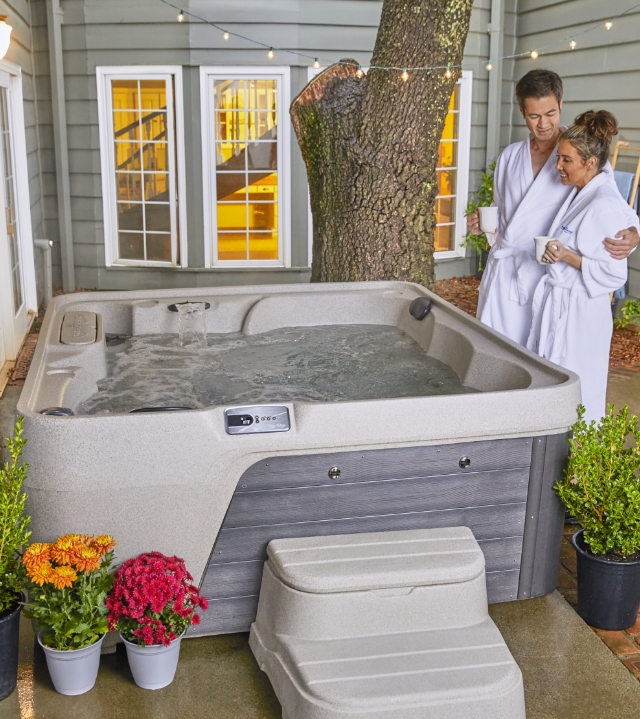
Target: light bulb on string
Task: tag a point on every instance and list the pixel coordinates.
(405, 75)
(608, 24)
(180, 16)
(534, 54)
(573, 44)
(270, 54)
(489, 65)
(225, 36)
(359, 72)
(448, 72)
(316, 64)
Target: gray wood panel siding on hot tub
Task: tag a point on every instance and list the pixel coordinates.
(486, 486)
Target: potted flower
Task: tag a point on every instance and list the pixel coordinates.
(601, 489)
(69, 582)
(152, 603)
(13, 536)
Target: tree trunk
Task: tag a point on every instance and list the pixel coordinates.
(371, 146)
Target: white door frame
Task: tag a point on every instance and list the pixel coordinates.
(11, 78)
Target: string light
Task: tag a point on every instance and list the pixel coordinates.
(225, 36)
(489, 65)
(608, 24)
(573, 44)
(270, 54)
(180, 16)
(316, 64)
(405, 75)
(534, 54)
(359, 72)
(448, 72)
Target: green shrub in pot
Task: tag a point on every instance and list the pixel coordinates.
(601, 488)
(14, 534)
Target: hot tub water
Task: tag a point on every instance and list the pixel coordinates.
(330, 363)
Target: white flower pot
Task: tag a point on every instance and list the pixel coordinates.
(73, 671)
(153, 667)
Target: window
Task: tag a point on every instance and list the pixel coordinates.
(245, 168)
(140, 111)
(452, 173)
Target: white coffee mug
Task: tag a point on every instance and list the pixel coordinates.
(488, 219)
(541, 246)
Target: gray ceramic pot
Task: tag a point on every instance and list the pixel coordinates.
(153, 667)
(73, 671)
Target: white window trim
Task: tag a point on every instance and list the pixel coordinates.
(462, 172)
(282, 75)
(109, 196)
(23, 208)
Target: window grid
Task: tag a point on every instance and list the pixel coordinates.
(446, 173)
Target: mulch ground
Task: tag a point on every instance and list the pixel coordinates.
(624, 359)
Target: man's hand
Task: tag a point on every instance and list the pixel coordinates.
(626, 242)
(473, 224)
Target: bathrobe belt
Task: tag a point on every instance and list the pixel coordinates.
(523, 262)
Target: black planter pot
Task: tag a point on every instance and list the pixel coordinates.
(608, 592)
(9, 632)
(482, 263)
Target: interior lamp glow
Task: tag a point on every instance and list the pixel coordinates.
(5, 35)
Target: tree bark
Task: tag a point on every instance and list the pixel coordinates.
(371, 146)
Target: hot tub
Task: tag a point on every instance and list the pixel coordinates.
(210, 486)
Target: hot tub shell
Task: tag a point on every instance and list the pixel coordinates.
(179, 483)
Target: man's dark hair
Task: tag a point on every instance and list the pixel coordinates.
(538, 84)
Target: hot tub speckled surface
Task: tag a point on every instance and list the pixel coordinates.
(173, 482)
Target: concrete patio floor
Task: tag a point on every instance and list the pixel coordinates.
(568, 672)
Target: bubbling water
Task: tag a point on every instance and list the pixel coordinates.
(334, 363)
(191, 324)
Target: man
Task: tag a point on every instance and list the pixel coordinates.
(528, 193)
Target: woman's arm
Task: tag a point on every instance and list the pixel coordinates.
(556, 252)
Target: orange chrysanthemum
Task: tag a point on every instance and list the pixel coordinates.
(104, 543)
(35, 554)
(40, 573)
(86, 559)
(63, 549)
(62, 577)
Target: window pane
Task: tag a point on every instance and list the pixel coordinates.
(232, 246)
(156, 187)
(446, 182)
(231, 186)
(262, 156)
(158, 248)
(158, 218)
(154, 125)
(454, 103)
(445, 209)
(129, 186)
(127, 156)
(231, 126)
(262, 95)
(230, 156)
(263, 216)
(447, 154)
(125, 94)
(263, 187)
(156, 156)
(262, 125)
(131, 246)
(126, 125)
(153, 94)
(450, 131)
(229, 94)
(129, 216)
(444, 238)
(232, 217)
(263, 245)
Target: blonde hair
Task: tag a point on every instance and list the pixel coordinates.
(591, 135)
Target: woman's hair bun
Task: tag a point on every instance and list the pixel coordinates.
(600, 125)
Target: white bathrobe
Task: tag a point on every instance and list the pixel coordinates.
(572, 322)
(526, 208)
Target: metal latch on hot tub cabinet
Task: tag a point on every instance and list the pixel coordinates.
(79, 328)
(257, 418)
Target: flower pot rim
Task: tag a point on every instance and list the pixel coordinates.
(598, 557)
(66, 651)
(17, 608)
(151, 646)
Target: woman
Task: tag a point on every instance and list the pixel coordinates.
(572, 322)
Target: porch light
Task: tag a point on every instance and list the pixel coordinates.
(489, 65)
(534, 54)
(608, 24)
(573, 44)
(225, 36)
(270, 54)
(180, 16)
(5, 35)
(405, 75)
(448, 72)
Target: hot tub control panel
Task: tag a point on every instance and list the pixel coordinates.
(257, 418)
